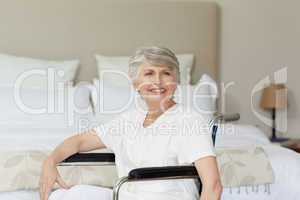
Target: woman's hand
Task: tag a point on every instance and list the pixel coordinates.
(83, 142)
(48, 178)
(210, 178)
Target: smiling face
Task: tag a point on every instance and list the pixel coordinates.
(156, 84)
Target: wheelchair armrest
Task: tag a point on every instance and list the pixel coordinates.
(158, 173)
(168, 172)
(90, 157)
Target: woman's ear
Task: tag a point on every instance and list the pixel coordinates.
(135, 85)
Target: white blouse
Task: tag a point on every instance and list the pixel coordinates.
(178, 137)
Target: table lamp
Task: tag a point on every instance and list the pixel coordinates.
(274, 97)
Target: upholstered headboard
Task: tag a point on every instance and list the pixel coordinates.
(64, 29)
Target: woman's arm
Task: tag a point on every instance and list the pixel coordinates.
(210, 178)
(86, 141)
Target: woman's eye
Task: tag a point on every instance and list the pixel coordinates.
(148, 73)
(167, 73)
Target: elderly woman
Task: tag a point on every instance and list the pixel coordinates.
(166, 134)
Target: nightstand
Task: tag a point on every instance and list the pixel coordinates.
(293, 144)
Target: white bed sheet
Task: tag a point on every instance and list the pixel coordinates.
(29, 139)
(20, 195)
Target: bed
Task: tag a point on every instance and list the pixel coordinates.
(285, 164)
(77, 29)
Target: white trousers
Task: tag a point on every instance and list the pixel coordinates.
(82, 192)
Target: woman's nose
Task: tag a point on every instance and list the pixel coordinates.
(157, 79)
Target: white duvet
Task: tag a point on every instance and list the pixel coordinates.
(286, 163)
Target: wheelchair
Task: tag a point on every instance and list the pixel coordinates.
(149, 173)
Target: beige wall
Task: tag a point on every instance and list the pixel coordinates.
(258, 37)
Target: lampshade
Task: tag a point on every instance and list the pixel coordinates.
(274, 97)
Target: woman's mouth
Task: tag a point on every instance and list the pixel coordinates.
(157, 90)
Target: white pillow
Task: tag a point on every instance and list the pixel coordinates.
(207, 91)
(110, 100)
(39, 108)
(201, 97)
(34, 72)
(120, 64)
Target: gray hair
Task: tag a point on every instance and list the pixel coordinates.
(154, 56)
